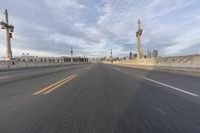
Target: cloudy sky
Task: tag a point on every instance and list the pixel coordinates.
(93, 27)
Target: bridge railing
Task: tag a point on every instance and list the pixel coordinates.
(24, 64)
(190, 61)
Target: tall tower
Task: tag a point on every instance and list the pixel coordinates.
(71, 55)
(138, 35)
(9, 29)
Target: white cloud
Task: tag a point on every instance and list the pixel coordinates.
(94, 27)
(183, 42)
(197, 17)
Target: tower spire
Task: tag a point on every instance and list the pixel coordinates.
(9, 29)
(138, 35)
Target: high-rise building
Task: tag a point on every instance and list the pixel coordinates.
(155, 53)
(148, 54)
(130, 55)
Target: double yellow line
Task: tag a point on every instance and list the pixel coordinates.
(54, 86)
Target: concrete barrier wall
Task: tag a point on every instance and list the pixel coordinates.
(4, 64)
(191, 61)
(25, 64)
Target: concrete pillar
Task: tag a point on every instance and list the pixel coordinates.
(8, 44)
(9, 29)
(138, 35)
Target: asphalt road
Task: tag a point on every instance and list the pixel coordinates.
(98, 98)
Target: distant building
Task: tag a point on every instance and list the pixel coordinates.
(155, 53)
(134, 55)
(149, 54)
(130, 55)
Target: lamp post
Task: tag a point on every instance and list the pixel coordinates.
(111, 56)
(71, 55)
(9, 30)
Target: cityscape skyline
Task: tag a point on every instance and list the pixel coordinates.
(94, 27)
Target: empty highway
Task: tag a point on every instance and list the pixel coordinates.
(98, 98)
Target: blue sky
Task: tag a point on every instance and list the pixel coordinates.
(93, 27)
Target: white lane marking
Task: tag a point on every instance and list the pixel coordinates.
(117, 69)
(113, 67)
(5, 77)
(189, 93)
(87, 68)
(161, 111)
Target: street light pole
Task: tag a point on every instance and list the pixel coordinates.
(71, 55)
(111, 56)
(9, 29)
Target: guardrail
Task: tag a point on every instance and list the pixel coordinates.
(11, 64)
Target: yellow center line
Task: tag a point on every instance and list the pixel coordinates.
(53, 85)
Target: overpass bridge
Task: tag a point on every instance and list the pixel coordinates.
(101, 98)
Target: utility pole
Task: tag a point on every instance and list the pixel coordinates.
(84, 59)
(71, 55)
(9, 29)
(111, 56)
(138, 35)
